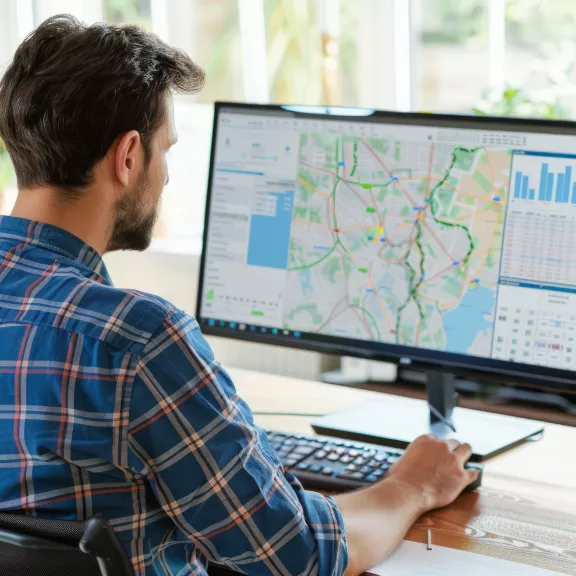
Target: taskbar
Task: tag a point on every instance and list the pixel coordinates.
(250, 328)
(503, 370)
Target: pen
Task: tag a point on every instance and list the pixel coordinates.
(429, 547)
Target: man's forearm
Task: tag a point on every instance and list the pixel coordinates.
(376, 520)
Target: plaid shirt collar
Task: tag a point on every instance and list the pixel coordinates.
(56, 240)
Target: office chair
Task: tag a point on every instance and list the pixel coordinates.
(32, 546)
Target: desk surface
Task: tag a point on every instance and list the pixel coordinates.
(525, 512)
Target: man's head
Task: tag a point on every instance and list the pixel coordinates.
(85, 106)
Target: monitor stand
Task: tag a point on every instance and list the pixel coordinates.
(398, 421)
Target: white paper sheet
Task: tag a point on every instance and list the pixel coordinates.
(412, 559)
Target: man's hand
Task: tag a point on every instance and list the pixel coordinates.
(429, 475)
(435, 468)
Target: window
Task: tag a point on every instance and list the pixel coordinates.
(451, 55)
(293, 35)
(541, 52)
(345, 60)
(128, 11)
(7, 191)
(210, 33)
(501, 56)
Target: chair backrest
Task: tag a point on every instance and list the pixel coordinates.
(33, 546)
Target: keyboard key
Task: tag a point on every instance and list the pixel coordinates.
(372, 478)
(360, 461)
(346, 459)
(290, 442)
(352, 468)
(393, 458)
(381, 457)
(365, 470)
(378, 473)
(315, 468)
(320, 455)
(289, 462)
(303, 466)
(340, 450)
(327, 471)
(374, 463)
(353, 453)
(333, 457)
(351, 475)
(385, 466)
(303, 450)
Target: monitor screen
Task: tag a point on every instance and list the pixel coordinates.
(441, 240)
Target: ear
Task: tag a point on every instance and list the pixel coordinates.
(128, 154)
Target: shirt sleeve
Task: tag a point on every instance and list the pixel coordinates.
(214, 472)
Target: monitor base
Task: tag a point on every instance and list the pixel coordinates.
(397, 422)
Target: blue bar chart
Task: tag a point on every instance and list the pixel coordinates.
(544, 178)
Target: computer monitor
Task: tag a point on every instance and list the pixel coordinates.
(447, 242)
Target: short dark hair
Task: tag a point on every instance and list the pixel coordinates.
(72, 89)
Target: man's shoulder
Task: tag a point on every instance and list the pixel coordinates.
(134, 317)
(124, 319)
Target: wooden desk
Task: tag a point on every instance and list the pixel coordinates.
(525, 512)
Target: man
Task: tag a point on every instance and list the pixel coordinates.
(111, 399)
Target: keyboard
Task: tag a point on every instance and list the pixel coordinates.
(324, 463)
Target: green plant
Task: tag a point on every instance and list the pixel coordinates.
(294, 51)
(517, 102)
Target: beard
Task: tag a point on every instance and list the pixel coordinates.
(134, 219)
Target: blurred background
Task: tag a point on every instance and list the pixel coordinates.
(503, 57)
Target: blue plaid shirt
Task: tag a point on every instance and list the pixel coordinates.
(111, 402)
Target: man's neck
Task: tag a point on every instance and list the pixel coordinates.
(87, 217)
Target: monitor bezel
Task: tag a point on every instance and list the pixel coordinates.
(418, 358)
